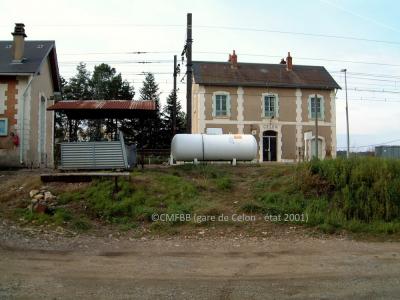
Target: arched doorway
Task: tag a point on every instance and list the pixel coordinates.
(269, 145)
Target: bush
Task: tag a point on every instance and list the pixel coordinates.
(358, 194)
(365, 189)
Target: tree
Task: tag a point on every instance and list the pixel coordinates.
(78, 87)
(180, 126)
(107, 85)
(61, 122)
(152, 126)
(103, 84)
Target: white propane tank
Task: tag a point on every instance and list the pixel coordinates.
(188, 147)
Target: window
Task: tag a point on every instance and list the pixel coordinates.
(270, 106)
(3, 89)
(316, 106)
(221, 105)
(3, 126)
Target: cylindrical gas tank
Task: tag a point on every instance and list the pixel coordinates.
(187, 147)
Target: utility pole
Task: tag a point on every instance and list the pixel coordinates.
(316, 125)
(174, 98)
(189, 73)
(347, 113)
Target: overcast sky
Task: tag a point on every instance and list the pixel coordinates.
(260, 31)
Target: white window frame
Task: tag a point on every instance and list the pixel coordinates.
(3, 97)
(276, 105)
(321, 115)
(6, 127)
(214, 104)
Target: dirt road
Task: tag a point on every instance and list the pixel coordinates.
(206, 268)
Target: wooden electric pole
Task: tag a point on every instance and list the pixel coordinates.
(316, 125)
(173, 116)
(189, 73)
(347, 114)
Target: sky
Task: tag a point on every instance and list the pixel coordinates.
(362, 36)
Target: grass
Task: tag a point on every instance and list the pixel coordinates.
(61, 217)
(358, 195)
(148, 193)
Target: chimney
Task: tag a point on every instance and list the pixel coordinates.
(233, 60)
(289, 64)
(19, 42)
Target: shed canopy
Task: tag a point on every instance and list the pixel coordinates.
(102, 109)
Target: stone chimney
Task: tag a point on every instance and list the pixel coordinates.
(19, 42)
(289, 64)
(233, 60)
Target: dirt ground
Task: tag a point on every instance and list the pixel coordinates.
(273, 262)
(49, 266)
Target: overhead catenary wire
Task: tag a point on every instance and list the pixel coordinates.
(373, 145)
(219, 27)
(389, 64)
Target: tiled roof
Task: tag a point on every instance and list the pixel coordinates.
(35, 53)
(262, 75)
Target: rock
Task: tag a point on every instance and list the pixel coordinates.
(33, 193)
(38, 196)
(48, 196)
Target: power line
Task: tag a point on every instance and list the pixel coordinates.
(374, 91)
(371, 100)
(299, 33)
(371, 74)
(119, 61)
(374, 145)
(233, 28)
(254, 54)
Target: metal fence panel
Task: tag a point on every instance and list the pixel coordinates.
(93, 155)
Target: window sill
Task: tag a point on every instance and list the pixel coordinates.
(222, 117)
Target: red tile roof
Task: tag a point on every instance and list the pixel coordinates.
(103, 105)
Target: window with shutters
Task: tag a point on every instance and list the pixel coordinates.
(221, 104)
(316, 107)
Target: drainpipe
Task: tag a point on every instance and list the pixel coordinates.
(21, 148)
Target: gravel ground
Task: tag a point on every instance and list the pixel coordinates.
(50, 265)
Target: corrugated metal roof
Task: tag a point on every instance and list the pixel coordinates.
(103, 105)
(262, 75)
